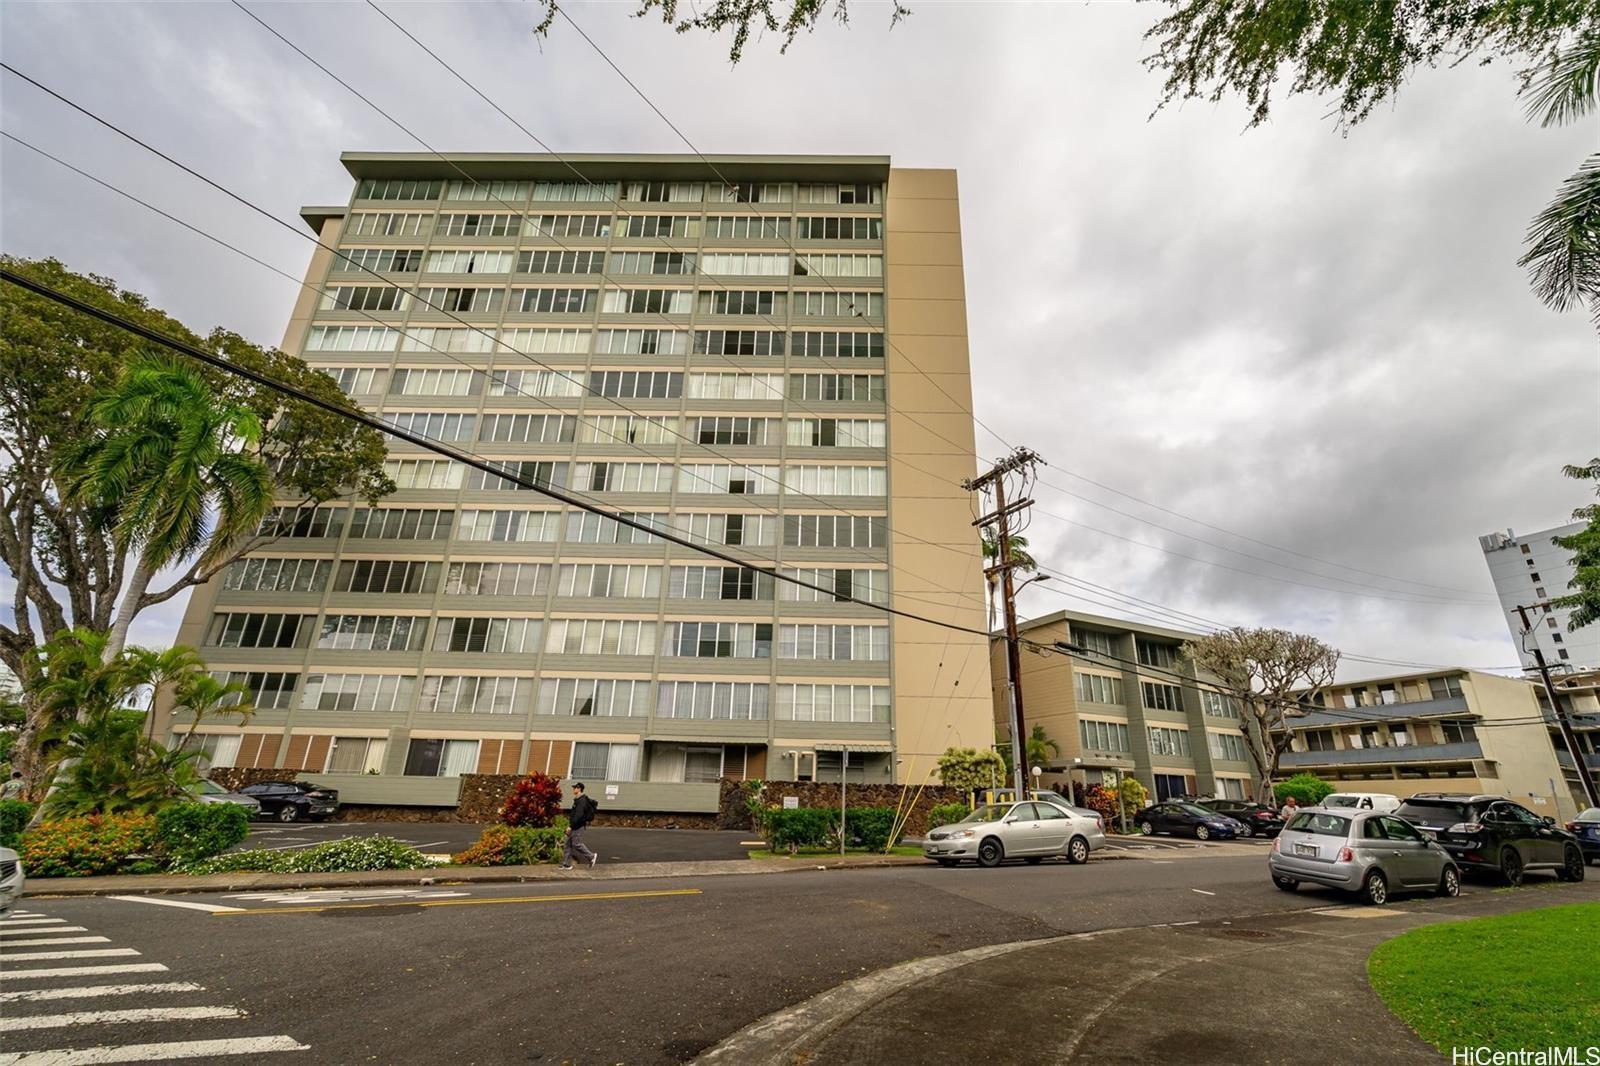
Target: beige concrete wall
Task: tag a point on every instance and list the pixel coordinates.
(1526, 757)
(305, 305)
(941, 677)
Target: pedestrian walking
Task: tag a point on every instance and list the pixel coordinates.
(578, 820)
(12, 790)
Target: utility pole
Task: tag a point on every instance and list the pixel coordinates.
(1021, 460)
(1584, 777)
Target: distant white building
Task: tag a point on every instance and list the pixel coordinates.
(10, 687)
(1529, 570)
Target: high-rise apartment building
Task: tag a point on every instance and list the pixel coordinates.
(1529, 571)
(770, 358)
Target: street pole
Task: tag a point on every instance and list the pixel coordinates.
(844, 772)
(1584, 777)
(1021, 459)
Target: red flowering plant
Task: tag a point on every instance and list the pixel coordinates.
(534, 801)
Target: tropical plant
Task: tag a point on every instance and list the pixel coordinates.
(533, 801)
(91, 845)
(108, 766)
(72, 549)
(14, 817)
(1020, 559)
(347, 855)
(1308, 790)
(1040, 748)
(1270, 672)
(1133, 795)
(970, 769)
(189, 832)
(873, 827)
(1584, 602)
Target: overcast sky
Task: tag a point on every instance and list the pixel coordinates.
(1320, 341)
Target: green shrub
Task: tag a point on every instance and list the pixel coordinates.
(14, 815)
(189, 832)
(348, 855)
(94, 844)
(947, 814)
(1307, 789)
(801, 827)
(501, 845)
(871, 826)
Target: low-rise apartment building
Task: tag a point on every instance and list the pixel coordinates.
(1438, 731)
(1580, 698)
(1128, 705)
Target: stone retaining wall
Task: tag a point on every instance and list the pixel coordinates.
(732, 812)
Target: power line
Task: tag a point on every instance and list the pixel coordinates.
(371, 422)
(1252, 540)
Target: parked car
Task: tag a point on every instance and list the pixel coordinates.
(1362, 801)
(1188, 819)
(1373, 854)
(1031, 831)
(1586, 827)
(1492, 833)
(1258, 819)
(290, 801)
(11, 880)
(211, 792)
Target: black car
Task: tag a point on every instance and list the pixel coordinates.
(292, 801)
(1187, 818)
(1258, 819)
(1586, 827)
(1494, 834)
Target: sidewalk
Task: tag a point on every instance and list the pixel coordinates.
(1286, 987)
(177, 884)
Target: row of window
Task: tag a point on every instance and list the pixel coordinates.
(579, 527)
(1113, 736)
(613, 384)
(556, 636)
(715, 227)
(578, 697)
(621, 191)
(733, 479)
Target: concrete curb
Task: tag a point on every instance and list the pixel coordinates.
(179, 884)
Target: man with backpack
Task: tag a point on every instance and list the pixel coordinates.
(583, 809)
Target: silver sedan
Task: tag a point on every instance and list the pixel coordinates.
(1031, 831)
(1366, 852)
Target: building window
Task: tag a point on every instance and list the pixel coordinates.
(1557, 638)
(260, 630)
(1159, 697)
(1169, 786)
(736, 701)
(372, 632)
(1227, 746)
(356, 692)
(441, 758)
(833, 703)
(600, 636)
(719, 640)
(1232, 788)
(263, 690)
(604, 762)
(1095, 642)
(1164, 656)
(1097, 688)
(1443, 688)
(277, 575)
(1539, 592)
(357, 755)
(1319, 740)
(216, 750)
(474, 694)
(1168, 741)
(387, 576)
(1102, 736)
(1459, 731)
(1220, 706)
(595, 697)
(1534, 577)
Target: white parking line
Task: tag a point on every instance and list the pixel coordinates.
(39, 995)
(116, 1017)
(41, 956)
(51, 941)
(157, 901)
(82, 971)
(184, 1049)
(1202, 891)
(38, 930)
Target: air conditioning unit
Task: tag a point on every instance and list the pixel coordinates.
(1494, 542)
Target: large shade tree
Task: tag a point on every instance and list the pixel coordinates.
(1271, 672)
(100, 520)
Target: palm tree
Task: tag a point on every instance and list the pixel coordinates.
(168, 464)
(991, 554)
(203, 696)
(1041, 749)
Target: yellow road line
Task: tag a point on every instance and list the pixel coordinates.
(458, 902)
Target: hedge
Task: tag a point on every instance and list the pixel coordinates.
(801, 827)
(91, 845)
(947, 814)
(14, 815)
(871, 826)
(1307, 789)
(189, 832)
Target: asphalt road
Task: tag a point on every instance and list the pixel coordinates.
(646, 971)
(613, 844)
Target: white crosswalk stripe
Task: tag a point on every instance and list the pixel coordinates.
(12, 923)
(72, 1014)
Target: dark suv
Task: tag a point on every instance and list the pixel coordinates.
(290, 801)
(1493, 833)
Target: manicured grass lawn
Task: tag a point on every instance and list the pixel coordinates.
(823, 853)
(1526, 980)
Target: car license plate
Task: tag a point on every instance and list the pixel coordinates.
(1305, 849)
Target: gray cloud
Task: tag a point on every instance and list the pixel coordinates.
(1321, 341)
